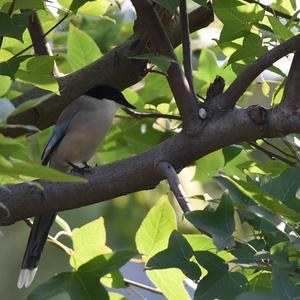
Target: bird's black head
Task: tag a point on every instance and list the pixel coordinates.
(105, 91)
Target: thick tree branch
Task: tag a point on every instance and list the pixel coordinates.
(241, 83)
(114, 66)
(291, 99)
(185, 100)
(185, 31)
(20, 201)
(40, 44)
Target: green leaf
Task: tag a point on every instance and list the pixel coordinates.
(282, 285)
(11, 66)
(82, 49)
(11, 147)
(95, 8)
(177, 255)
(161, 61)
(275, 205)
(220, 224)
(88, 242)
(231, 152)
(201, 2)
(285, 187)
(13, 26)
(241, 200)
(237, 17)
(257, 296)
(76, 4)
(170, 282)
(113, 280)
(251, 48)
(77, 285)
(30, 104)
(38, 71)
(84, 283)
(168, 4)
(15, 168)
(154, 232)
(219, 283)
(208, 166)
(279, 28)
(33, 4)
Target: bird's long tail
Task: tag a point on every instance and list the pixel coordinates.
(35, 245)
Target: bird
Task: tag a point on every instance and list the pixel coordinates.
(79, 131)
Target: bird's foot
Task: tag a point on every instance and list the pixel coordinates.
(81, 170)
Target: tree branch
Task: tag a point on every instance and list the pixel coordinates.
(170, 174)
(114, 66)
(142, 115)
(291, 99)
(271, 154)
(107, 182)
(40, 44)
(274, 12)
(245, 78)
(186, 102)
(185, 32)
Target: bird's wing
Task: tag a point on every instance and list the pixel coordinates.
(57, 135)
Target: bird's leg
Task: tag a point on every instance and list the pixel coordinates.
(79, 170)
(86, 165)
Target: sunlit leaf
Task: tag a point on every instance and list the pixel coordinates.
(156, 228)
(82, 49)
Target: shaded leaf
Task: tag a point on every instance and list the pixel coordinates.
(219, 283)
(168, 4)
(177, 255)
(13, 26)
(220, 224)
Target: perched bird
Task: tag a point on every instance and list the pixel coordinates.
(80, 129)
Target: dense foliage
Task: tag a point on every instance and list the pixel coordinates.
(248, 207)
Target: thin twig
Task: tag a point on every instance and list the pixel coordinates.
(142, 286)
(52, 240)
(186, 44)
(42, 37)
(9, 13)
(271, 154)
(156, 71)
(273, 11)
(292, 149)
(142, 115)
(277, 148)
(167, 170)
(170, 174)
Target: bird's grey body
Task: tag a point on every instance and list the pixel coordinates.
(80, 143)
(79, 131)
